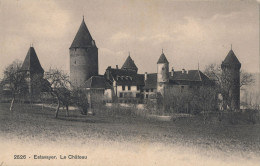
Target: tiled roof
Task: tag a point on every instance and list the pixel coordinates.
(190, 76)
(193, 77)
(151, 81)
(162, 59)
(140, 79)
(83, 37)
(31, 62)
(125, 77)
(97, 82)
(231, 58)
(129, 64)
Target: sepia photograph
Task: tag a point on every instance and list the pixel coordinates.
(130, 82)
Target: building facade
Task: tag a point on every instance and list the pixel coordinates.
(127, 84)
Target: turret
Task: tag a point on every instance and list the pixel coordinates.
(83, 57)
(231, 80)
(33, 69)
(162, 73)
(129, 64)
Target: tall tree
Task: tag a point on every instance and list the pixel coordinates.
(58, 85)
(15, 79)
(224, 81)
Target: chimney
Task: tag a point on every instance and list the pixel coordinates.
(108, 72)
(172, 71)
(116, 66)
(145, 76)
(183, 71)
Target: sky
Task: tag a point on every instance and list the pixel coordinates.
(189, 32)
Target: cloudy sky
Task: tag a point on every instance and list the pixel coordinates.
(188, 31)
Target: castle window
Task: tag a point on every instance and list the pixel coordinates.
(75, 62)
(151, 90)
(120, 95)
(147, 90)
(146, 96)
(129, 87)
(123, 87)
(138, 88)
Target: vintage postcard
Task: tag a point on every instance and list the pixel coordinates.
(130, 82)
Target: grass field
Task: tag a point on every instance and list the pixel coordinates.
(183, 140)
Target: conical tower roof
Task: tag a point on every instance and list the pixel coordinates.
(231, 58)
(83, 37)
(162, 59)
(129, 64)
(31, 62)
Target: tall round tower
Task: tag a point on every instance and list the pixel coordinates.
(231, 80)
(162, 73)
(83, 57)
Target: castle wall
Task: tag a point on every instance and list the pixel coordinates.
(235, 90)
(234, 82)
(83, 64)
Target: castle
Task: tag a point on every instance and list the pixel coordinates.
(125, 84)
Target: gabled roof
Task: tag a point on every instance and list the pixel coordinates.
(83, 37)
(189, 76)
(129, 64)
(162, 59)
(125, 76)
(97, 82)
(231, 58)
(151, 81)
(31, 62)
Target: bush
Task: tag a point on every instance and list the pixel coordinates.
(248, 116)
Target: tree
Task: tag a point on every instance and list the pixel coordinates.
(15, 79)
(205, 100)
(224, 81)
(193, 100)
(80, 99)
(58, 85)
(246, 79)
(177, 100)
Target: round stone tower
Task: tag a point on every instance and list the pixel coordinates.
(231, 80)
(83, 57)
(162, 73)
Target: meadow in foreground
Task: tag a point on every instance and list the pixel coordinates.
(29, 124)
